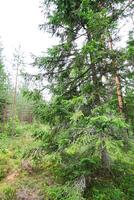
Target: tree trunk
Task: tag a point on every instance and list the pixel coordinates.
(105, 159)
(119, 93)
(119, 97)
(118, 83)
(14, 101)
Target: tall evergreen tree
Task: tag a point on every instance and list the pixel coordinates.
(85, 74)
(87, 31)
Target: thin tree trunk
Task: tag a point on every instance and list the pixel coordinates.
(119, 97)
(118, 83)
(105, 159)
(14, 101)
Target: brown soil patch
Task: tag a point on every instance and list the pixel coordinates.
(12, 176)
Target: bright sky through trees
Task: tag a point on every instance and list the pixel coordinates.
(19, 25)
(19, 21)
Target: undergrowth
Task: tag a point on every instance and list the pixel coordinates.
(57, 176)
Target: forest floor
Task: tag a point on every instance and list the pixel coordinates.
(25, 178)
(20, 178)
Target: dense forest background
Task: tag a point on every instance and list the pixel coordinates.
(78, 144)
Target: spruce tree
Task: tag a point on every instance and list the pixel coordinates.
(85, 73)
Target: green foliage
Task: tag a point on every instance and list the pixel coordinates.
(107, 192)
(13, 127)
(64, 193)
(130, 48)
(86, 133)
(9, 193)
(4, 168)
(126, 185)
(4, 86)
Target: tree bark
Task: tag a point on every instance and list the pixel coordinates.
(117, 82)
(105, 159)
(119, 97)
